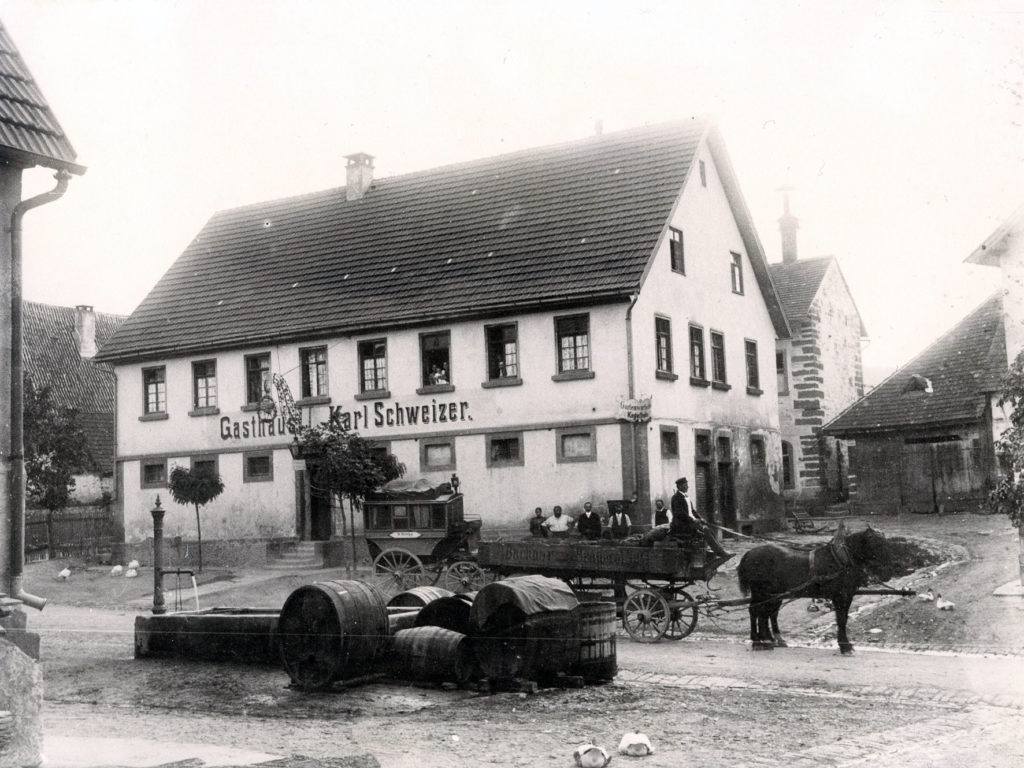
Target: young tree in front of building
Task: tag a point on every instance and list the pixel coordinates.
(1008, 496)
(197, 486)
(55, 449)
(348, 466)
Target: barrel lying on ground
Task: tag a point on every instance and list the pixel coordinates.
(330, 631)
(431, 654)
(448, 613)
(417, 597)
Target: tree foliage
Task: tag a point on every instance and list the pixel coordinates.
(197, 486)
(55, 448)
(1008, 496)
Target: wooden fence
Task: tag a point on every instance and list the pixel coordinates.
(80, 531)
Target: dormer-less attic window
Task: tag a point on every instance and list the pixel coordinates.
(675, 249)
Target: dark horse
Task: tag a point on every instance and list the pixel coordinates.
(836, 570)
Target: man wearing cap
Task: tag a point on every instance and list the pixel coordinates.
(685, 519)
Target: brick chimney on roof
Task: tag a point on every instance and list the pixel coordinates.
(85, 330)
(788, 225)
(358, 175)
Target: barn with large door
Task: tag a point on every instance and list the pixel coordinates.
(923, 439)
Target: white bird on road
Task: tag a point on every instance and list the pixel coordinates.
(926, 597)
(117, 570)
(131, 573)
(635, 744)
(944, 605)
(589, 756)
(64, 575)
(133, 564)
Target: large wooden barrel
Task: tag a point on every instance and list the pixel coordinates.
(417, 597)
(450, 613)
(535, 647)
(330, 631)
(401, 618)
(597, 658)
(431, 654)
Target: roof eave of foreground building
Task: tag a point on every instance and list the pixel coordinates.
(240, 341)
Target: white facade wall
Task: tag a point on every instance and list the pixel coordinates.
(502, 496)
(704, 296)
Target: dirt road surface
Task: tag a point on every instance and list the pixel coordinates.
(925, 688)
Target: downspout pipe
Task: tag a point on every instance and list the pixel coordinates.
(631, 386)
(17, 478)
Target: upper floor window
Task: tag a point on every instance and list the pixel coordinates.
(257, 378)
(698, 370)
(436, 358)
(313, 362)
(780, 373)
(502, 351)
(675, 249)
(204, 384)
(154, 383)
(753, 375)
(573, 336)
(737, 273)
(663, 343)
(373, 365)
(718, 357)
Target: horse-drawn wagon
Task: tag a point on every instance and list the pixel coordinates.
(418, 533)
(648, 583)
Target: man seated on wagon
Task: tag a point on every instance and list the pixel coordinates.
(537, 528)
(662, 515)
(619, 524)
(686, 523)
(558, 525)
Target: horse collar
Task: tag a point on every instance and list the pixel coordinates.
(841, 553)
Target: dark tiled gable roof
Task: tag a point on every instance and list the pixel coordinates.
(963, 366)
(52, 359)
(572, 223)
(797, 284)
(29, 131)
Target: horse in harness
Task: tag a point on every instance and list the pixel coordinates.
(771, 574)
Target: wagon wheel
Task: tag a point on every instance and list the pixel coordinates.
(464, 576)
(645, 616)
(397, 570)
(682, 621)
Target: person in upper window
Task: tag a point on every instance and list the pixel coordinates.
(686, 521)
(589, 522)
(558, 525)
(619, 524)
(662, 515)
(537, 524)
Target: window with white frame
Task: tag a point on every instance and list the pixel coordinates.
(154, 384)
(373, 366)
(313, 364)
(663, 343)
(698, 369)
(718, 357)
(573, 339)
(753, 375)
(204, 385)
(736, 268)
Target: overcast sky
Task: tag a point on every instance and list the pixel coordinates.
(899, 125)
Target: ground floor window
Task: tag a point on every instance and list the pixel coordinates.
(669, 443)
(437, 455)
(153, 473)
(576, 444)
(257, 467)
(505, 449)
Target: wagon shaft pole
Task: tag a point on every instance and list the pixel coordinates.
(900, 592)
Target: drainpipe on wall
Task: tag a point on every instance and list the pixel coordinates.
(631, 387)
(17, 479)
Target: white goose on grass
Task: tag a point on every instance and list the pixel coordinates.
(943, 604)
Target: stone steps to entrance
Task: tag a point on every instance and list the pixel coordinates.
(303, 556)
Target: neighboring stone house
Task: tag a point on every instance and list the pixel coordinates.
(584, 321)
(819, 371)
(60, 343)
(923, 439)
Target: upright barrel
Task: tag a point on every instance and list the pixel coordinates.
(330, 631)
(536, 647)
(417, 597)
(431, 654)
(597, 657)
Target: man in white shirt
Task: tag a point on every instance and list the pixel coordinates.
(558, 524)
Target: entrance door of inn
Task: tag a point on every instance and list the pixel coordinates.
(319, 508)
